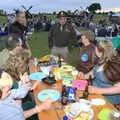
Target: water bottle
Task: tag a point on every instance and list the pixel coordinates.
(59, 61)
(64, 99)
(35, 62)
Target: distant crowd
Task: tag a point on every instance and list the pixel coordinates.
(43, 23)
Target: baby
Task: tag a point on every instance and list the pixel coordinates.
(10, 109)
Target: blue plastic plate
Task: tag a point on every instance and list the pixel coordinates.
(37, 76)
(53, 95)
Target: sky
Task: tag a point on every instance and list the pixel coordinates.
(55, 5)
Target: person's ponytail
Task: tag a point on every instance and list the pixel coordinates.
(112, 70)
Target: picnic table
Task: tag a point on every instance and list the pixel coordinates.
(57, 114)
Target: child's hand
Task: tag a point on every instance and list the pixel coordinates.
(45, 106)
(24, 78)
(34, 86)
(81, 75)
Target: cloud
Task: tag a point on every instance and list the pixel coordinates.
(55, 5)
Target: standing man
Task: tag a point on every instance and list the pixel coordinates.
(61, 36)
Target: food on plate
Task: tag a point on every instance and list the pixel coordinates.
(84, 116)
(45, 59)
(67, 68)
(80, 110)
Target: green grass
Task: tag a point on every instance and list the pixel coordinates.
(53, 17)
(73, 56)
(99, 17)
(3, 19)
(39, 47)
(39, 44)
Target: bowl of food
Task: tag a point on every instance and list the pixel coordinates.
(80, 110)
(85, 116)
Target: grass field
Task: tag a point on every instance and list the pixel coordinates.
(39, 44)
(39, 47)
(3, 19)
(99, 17)
(53, 17)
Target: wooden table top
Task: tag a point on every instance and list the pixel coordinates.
(55, 113)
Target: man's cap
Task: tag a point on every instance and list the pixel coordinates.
(62, 14)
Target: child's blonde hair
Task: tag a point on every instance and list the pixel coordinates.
(108, 52)
(5, 82)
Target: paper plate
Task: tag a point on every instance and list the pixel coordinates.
(67, 68)
(64, 77)
(53, 95)
(98, 102)
(104, 114)
(37, 76)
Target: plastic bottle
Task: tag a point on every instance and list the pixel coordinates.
(35, 62)
(64, 99)
(85, 93)
(59, 61)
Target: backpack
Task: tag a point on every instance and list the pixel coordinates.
(87, 59)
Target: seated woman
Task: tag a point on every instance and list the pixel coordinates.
(10, 108)
(88, 56)
(17, 64)
(107, 74)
